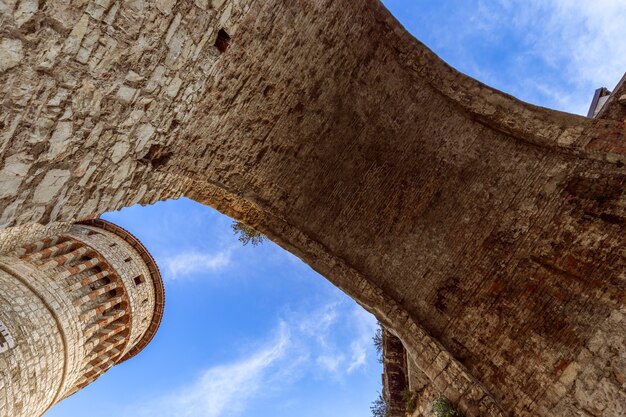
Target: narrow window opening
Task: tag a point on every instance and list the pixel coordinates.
(144, 302)
(127, 259)
(139, 279)
(6, 341)
(222, 41)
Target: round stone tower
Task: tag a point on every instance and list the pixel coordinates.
(71, 307)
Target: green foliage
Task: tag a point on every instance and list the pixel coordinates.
(378, 343)
(248, 234)
(444, 408)
(410, 402)
(379, 407)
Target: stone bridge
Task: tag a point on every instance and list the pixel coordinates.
(484, 232)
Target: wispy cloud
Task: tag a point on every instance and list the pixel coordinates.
(568, 47)
(225, 389)
(365, 325)
(321, 326)
(186, 263)
(589, 35)
(303, 343)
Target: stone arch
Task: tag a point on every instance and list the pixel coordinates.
(487, 227)
(447, 374)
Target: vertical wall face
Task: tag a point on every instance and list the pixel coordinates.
(406, 389)
(31, 350)
(395, 375)
(72, 306)
(94, 96)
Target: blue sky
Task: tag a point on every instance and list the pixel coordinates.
(552, 53)
(252, 331)
(248, 331)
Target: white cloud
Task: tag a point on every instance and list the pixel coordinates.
(365, 325)
(331, 362)
(590, 34)
(323, 326)
(225, 389)
(186, 263)
(579, 46)
(318, 323)
(304, 343)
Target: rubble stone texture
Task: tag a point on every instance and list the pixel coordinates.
(486, 233)
(72, 305)
(395, 375)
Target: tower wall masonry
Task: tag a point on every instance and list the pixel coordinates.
(72, 305)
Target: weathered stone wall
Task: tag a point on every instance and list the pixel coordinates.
(71, 306)
(395, 375)
(34, 359)
(92, 92)
(424, 392)
(13, 237)
(486, 233)
(491, 222)
(407, 389)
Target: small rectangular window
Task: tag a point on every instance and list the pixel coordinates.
(127, 259)
(6, 341)
(139, 279)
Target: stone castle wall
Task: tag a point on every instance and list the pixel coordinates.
(129, 267)
(395, 375)
(34, 359)
(408, 391)
(486, 233)
(73, 305)
(93, 94)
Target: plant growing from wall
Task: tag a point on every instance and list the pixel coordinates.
(247, 234)
(379, 407)
(443, 407)
(378, 343)
(410, 403)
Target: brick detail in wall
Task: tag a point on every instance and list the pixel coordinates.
(82, 284)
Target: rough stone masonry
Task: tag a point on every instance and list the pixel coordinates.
(485, 233)
(72, 305)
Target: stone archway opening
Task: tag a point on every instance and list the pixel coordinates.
(238, 307)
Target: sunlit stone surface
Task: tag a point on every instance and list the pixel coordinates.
(486, 233)
(72, 304)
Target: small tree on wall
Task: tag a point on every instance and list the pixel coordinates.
(443, 407)
(378, 343)
(247, 234)
(379, 407)
(410, 402)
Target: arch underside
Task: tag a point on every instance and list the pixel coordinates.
(485, 232)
